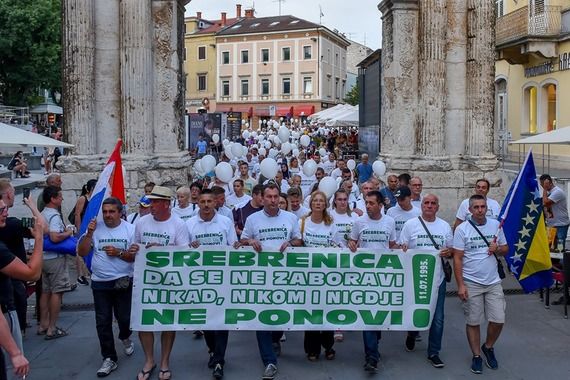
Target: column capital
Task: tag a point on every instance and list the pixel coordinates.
(388, 6)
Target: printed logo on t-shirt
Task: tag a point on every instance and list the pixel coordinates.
(425, 241)
(210, 238)
(318, 240)
(477, 242)
(117, 243)
(152, 237)
(374, 236)
(273, 233)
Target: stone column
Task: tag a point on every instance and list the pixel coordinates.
(456, 60)
(78, 74)
(136, 76)
(168, 21)
(400, 80)
(430, 124)
(480, 83)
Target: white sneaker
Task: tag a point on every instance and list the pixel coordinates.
(270, 372)
(107, 367)
(129, 347)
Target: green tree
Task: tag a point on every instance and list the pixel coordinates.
(30, 49)
(353, 96)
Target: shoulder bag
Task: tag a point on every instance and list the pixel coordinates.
(500, 268)
(446, 266)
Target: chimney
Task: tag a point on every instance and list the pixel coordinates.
(223, 18)
(249, 13)
(238, 10)
(199, 15)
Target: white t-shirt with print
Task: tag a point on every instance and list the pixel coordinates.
(415, 236)
(401, 216)
(271, 231)
(344, 224)
(172, 231)
(318, 235)
(307, 184)
(107, 268)
(235, 202)
(374, 233)
(301, 211)
(478, 265)
(184, 213)
(493, 209)
(218, 231)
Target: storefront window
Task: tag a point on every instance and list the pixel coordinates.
(550, 91)
(531, 102)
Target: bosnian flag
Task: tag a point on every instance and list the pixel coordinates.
(109, 184)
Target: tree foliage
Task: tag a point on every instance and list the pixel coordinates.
(353, 96)
(30, 49)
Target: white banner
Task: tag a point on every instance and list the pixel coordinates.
(221, 288)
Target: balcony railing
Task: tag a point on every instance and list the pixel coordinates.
(521, 24)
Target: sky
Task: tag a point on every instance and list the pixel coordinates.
(360, 23)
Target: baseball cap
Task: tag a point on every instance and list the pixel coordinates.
(144, 201)
(160, 192)
(403, 192)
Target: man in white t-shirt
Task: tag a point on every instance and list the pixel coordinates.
(183, 209)
(554, 201)
(159, 228)
(403, 211)
(111, 279)
(210, 228)
(373, 231)
(248, 182)
(478, 281)
(238, 198)
(416, 187)
(144, 209)
(329, 164)
(221, 208)
(337, 172)
(295, 202)
(270, 229)
(415, 235)
(482, 187)
(365, 188)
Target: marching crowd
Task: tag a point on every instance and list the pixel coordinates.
(332, 204)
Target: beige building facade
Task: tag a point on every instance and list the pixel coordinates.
(532, 78)
(279, 67)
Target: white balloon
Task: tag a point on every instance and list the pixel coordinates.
(237, 149)
(215, 138)
(245, 150)
(305, 140)
(225, 142)
(198, 166)
(224, 172)
(328, 186)
(283, 134)
(208, 163)
(260, 138)
(273, 152)
(267, 144)
(379, 168)
(255, 146)
(295, 135)
(296, 152)
(245, 135)
(309, 167)
(286, 148)
(262, 151)
(351, 164)
(254, 134)
(228, 150)
(323, 152)
(269, 167)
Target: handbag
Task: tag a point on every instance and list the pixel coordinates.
(445, 265)
(64, 247)
(500, 268)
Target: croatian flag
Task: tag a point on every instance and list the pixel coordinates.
(109, 184)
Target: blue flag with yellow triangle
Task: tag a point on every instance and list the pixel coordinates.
(522, 220)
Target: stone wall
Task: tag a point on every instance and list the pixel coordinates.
(438, 95)
(123, 78)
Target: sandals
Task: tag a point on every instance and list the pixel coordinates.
(164, 374)
(58, 333)
(41, 332)
(145, 375)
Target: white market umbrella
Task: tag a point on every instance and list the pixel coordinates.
(557, 136)
(13, 136)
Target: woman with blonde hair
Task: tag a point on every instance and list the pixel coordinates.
(318, 230)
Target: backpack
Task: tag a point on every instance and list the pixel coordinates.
(71, 216)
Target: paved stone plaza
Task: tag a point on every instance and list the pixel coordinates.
(534, 345)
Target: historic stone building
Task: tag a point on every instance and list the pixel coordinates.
(123, 78)
(438, 65)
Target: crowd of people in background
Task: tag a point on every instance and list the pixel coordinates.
(364, 211)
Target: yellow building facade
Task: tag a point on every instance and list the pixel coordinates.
(532, 78)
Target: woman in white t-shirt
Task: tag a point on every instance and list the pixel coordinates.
(318, 230)
(343, 216)
(294, 166)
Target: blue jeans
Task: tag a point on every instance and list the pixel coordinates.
(436, 329)
(371, 339)
(265, 344)
(561, 234)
